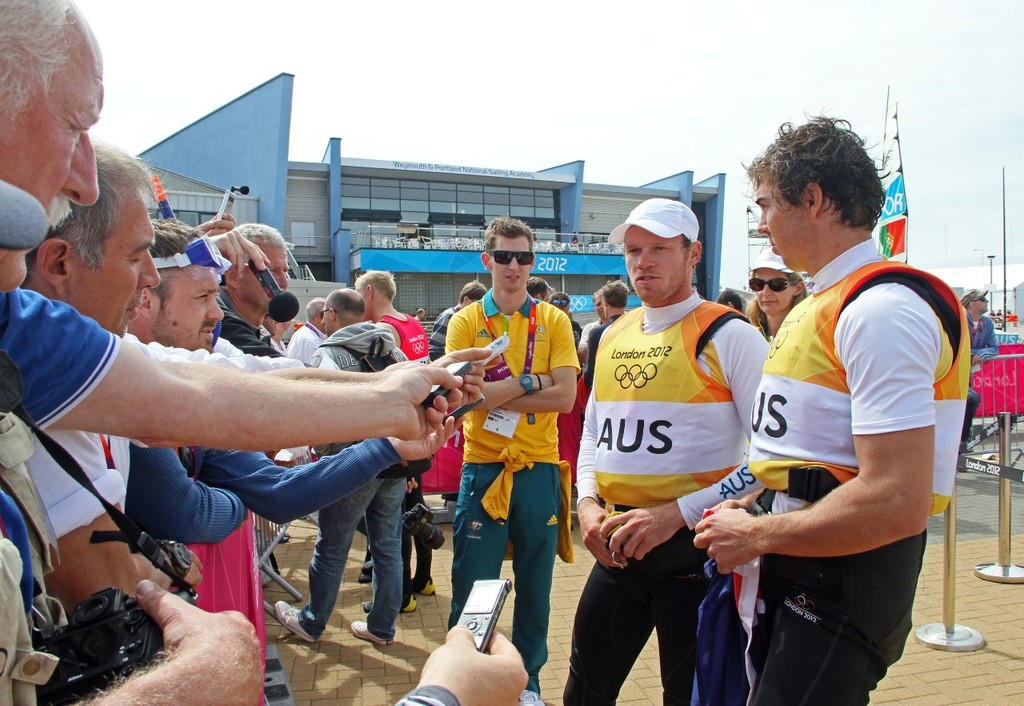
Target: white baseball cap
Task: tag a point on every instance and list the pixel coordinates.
(768, 259)
(664, 218)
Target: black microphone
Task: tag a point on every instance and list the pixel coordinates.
(243, 190)
(22, 219)
(284, 305)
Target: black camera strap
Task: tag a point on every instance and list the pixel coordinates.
(137, 540)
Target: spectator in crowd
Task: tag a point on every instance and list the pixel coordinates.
(242, 297)
(311, 334)
(732, 299)
(358, 346)
(92, 262)
(377, 289)
(602, 318)
(511, 479)
(777, 289)
(614, 297)
(275, 333)
(983, 347)
(471, 292)
(686, 413)
(561, 301)
(421, 314)
(983, 331)
(855, 468)
(538, 288)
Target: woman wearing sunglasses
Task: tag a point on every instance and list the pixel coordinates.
(777, 289)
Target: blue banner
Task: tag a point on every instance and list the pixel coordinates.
(895, 201)
(468, 261)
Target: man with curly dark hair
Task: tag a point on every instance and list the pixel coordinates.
(855, 424)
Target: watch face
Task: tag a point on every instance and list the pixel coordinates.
(179, 555)
(527, 382)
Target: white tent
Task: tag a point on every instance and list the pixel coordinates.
(977, 277)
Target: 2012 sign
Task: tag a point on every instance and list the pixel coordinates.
(551, 263)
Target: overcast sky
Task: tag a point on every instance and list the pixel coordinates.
(639, 90)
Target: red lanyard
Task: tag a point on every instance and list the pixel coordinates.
(530, 338)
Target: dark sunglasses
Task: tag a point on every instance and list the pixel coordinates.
(504, 257)
(776, 285)
(560, 302)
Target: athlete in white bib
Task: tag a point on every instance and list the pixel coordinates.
(854, 429)
(666, 427)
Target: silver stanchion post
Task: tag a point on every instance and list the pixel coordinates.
(947, 635)
(1003, 571)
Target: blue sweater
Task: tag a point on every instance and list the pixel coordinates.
(163, 498)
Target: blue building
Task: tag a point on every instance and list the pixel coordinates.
(423, 222)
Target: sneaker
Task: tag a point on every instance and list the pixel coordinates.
(410, 606)
(360, 630)
(365, 577)
(530, 698)
(289, 617)
(428, 588)
(368, 606)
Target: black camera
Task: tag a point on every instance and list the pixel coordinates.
(106, 638)
(417, 523)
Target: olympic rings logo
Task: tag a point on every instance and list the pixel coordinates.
(635, 375)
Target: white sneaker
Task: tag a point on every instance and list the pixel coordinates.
(362, 631)
(289, 617)
(530, 698)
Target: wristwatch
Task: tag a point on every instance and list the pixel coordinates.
(179, 556)
(527, 382)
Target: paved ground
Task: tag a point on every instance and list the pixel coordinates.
(342, 669)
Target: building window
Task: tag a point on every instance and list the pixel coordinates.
(303, 234)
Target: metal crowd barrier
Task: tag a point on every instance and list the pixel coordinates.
(989, 448)
(268, 536)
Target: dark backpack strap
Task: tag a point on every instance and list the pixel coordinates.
(137, 540)
(949, 318)
(371, 364)
(711, 330)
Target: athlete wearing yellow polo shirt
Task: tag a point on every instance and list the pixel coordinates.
(512, 488)
(855, 428)
(666, 427)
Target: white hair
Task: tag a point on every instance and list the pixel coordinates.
(34, 45)
(262, 234)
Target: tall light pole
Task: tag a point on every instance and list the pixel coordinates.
(991, 260)
(982, 254)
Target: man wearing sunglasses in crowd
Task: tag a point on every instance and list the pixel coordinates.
(513, 490)
(664, 433)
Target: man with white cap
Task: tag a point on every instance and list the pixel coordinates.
(664, 435)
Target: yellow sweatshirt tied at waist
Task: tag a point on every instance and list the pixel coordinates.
(498, 498)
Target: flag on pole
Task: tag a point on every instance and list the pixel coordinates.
(892, 235)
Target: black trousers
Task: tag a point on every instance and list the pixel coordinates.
(618, 609)
(836, 624)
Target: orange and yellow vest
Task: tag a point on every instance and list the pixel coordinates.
(802, 413)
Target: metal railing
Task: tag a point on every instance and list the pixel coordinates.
(391, 236)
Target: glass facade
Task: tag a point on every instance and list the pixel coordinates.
(439, 203)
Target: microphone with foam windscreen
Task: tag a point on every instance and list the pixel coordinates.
(22, 219)
(283, 305)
